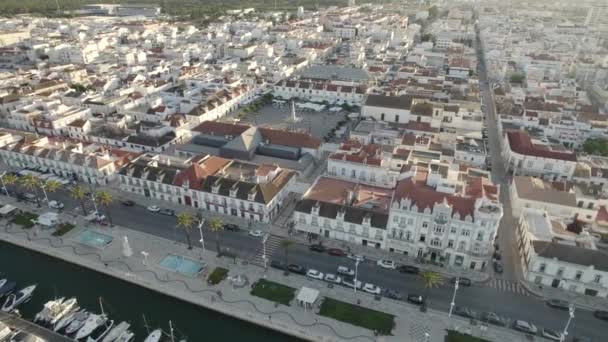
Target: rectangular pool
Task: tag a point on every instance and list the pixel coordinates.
(182, 265)
(94, 239)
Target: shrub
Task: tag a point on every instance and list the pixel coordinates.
(63, 229)
(218, 274)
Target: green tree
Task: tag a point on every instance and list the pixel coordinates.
(216, 225)
(9, 179)
(51, 186)
(430, 279)
(596, 146)
(32, 184)
(517, 78)
(105, 199)
(186, 222)
(80, 194)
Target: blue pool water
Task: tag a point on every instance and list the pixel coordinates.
(94, 239)
(182, 265)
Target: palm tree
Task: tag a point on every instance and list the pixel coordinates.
(216, 225)
(186, 221)
(80, 194)
(49, 187)
(31, 183)
(285, 244)
(105, 200)
(430, 279)
(8, 180)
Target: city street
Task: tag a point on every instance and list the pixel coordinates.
(499, 296)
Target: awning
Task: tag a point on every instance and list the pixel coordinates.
(307, 296)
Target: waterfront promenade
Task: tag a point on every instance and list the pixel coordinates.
(410, 323)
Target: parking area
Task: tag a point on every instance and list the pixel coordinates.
(320, 124)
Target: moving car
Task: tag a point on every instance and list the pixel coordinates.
(295, 268)
(551, 335)
(351, 283)
(277, 264)
(356, 257)
(336, 252)
(558, 304)
(492, 318)
(168, 212)
(55, 204)
(332, 278)
(498, 266)
(30, 197)
(462, 281)
(127, 203)
(525, 327)
(314, 274)
(465, 312)
(601, 314)
(256, 233)
(345, 271)
(408, 269)
(388, 264)
(392, 294)
(415, 299)
(317, 248)
(371, 288)
(231, 227)
(153, 208)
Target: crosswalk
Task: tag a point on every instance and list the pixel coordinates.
(272, 244)
(507, 286)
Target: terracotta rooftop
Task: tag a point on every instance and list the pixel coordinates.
(520, 142)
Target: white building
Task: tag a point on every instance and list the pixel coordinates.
(364, 163)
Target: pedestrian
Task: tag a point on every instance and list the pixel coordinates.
(269, 317)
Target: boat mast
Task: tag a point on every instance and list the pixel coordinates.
(101, 306)
(171, 331)
(146, 324)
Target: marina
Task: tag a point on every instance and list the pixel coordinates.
(128, 312)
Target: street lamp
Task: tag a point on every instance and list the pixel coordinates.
(356, 271)
(570, 317)
(264, 250)
(43, 187)
(3, 185)
(454, 296)
(145, 260)
(200, 231)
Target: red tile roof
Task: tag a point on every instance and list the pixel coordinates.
(520, 142)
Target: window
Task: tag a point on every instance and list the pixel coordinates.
(425, 225)
(530, 164)
(542, 267)
(450, 243)
(314, 221)
(435, 242)
(480, 236)
(465, 232)
(560, 272)
(395, 219)
(438, 229)
(597, 279)
(453, 230)
(548, 166)
(394, 233)
(422, 237)
(408, 235)
(579, 275)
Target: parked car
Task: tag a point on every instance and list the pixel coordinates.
(231, 227)
(127, 203)
(392, 294)
(371, 288)
(295, 268)
(314, 274)
(336, 252)
(498, 266)
(497, 255)
(492, 318)
(55, 204)
(388, 264)
(317, 248)
(408, 269)
(601, 314)
(351, 283)
(525, 327)
(256, 233)
(332, 278)
(558, 304)
(356, 257)
(345, 271)
(30, 197)
(415, 299)
(465, 312)
(277, 264)
(551, 335)
(153, 208)
(168, 212)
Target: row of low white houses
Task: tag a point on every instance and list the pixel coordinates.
(320, 91)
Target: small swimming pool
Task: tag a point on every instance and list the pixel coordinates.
(182, 265)
(94, 239)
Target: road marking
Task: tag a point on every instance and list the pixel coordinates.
(507, 286)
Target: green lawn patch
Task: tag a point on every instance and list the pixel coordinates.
(63, 229)
(24, 219)
(380, 322)
(273, 291)
(455, 336)
(218, 274)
